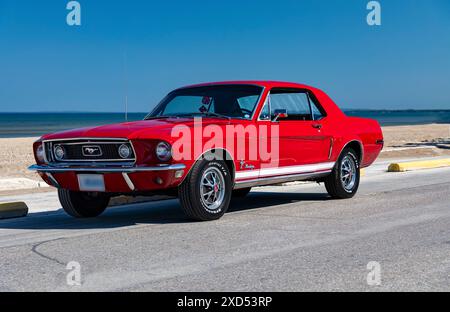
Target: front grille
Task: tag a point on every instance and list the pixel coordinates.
(95, 150)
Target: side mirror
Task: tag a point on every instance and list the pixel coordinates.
(280, 114)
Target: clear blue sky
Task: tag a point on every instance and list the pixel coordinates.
(46, 65)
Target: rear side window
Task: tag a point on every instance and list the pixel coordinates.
(300, 104)
(295, 102)
(317, 114)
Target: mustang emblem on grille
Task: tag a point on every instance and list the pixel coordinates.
(91, 150)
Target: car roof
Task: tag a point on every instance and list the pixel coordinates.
(262, 83)
(326, 102)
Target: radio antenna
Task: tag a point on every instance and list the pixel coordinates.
(125, 82)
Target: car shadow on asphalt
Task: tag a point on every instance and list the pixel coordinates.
(157, 212)
(256, 200)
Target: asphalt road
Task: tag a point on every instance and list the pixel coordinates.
(290, 238)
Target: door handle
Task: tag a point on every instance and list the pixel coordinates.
(317, 126)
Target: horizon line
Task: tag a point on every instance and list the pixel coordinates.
(142, 112)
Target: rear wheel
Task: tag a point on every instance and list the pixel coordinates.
(83, 204)
(241, 192)
(343, 182)
(206, 192)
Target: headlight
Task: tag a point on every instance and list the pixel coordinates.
(59, 152)
(124, 151)
(163, 151)
(40, 154)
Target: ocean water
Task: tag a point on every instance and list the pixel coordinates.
(37, 124)
(403, 117)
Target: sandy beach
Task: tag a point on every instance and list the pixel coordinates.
(16, 155)
(400, 141)
(416, 141)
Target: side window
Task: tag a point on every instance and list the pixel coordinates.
(295, 102)
(316, 112)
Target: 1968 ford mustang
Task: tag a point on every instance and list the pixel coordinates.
(207, 143)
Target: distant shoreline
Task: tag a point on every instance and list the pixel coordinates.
(400, 142)
(27, 135)
(16, 125)
(132, 112)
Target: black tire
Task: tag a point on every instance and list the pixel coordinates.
(82, 204)
(189, 192)
(333, 183)
(241, 192)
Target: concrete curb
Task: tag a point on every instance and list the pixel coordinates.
(417, 165)
(13, 210)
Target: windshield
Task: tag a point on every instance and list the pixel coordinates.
(229, 101)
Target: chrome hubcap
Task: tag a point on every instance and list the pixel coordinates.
(348, 173)
(212, 188)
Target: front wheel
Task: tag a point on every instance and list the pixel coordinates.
(82, 204)
(206, 192)
(343, 182)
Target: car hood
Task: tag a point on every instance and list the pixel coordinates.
(154, 128)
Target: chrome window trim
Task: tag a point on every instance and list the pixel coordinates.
(270, 111)
(258, 102)
(310, 107)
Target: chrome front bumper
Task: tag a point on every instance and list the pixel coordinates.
(100, 169)
(124, 171)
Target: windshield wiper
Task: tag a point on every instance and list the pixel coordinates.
(215, 115)
(158, 117)
(199, 113)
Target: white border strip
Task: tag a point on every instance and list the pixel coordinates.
(267, 172)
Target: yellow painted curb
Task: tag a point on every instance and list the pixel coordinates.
(362, 172)
(415, 165)
(13, 210)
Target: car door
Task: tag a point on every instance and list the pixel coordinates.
(303, 138)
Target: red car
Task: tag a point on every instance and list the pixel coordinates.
(207, 143)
